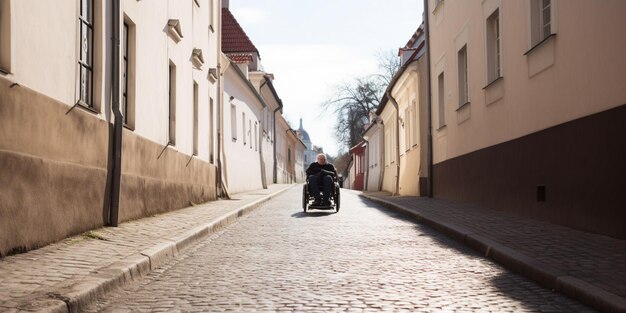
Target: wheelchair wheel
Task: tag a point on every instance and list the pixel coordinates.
(337, 197)
(305, 197)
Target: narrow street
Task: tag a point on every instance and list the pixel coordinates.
(362, 259)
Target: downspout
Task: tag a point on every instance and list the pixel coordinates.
(367, 164)
(220, 105)
(429, 139)
(118, 119)
(265, 109)
(381, 175)
(275, 142)
(395, 105)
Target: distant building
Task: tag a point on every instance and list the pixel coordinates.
(310, 153)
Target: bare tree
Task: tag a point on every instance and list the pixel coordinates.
(354, 100)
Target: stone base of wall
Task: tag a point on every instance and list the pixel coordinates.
(571, 174)
(54, 165)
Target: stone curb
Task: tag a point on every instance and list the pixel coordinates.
(543, 274)
(75, 294)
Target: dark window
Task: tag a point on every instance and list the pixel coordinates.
(86, 53)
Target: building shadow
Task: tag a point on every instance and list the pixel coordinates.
(533, 296)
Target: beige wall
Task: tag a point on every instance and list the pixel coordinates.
(389, 139)
(60, 154)
(576, 73)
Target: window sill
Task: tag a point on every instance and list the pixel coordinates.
(86, 107)
(441, 127)
(5, 72)
(540, 43)
(129, 127)
(493, 82)
(466, 104)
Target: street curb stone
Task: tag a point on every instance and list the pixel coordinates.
(75, 294)
(518, 262)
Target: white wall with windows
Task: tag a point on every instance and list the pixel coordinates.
(241, 144)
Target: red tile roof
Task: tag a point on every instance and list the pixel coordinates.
(234, 38)
(240, 58)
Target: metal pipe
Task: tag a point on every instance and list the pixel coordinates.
(395, 105)
(118, 120)
(429, 101)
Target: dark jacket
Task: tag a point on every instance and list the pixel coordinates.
(315, 168)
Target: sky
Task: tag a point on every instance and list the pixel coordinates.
(311, 46)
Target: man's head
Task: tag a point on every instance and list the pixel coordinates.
(321, 158)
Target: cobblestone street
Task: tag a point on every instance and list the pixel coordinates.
(361, 259)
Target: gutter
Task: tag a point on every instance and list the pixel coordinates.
(429, 101)
(116, 169)
(395, 105)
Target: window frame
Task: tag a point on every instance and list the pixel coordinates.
(172, 104)
(463, 76)
(493, 30)
(86, 23)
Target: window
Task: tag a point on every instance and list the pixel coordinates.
(85, 62)
(250, 132)
(233, 121)
(407, 129)
(414, 123)
(5, 36)
(172, 104)
(541, 20)
(243, 127)
(212, 14)
(494, 58)
(256, 136)
(128, 73)
(211, 125)
(442, 101)
(463, 80)
(195, 118)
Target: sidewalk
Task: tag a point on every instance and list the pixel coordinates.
(587, 267)
(67, 275)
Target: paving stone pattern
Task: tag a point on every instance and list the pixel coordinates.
(363, 259)
(596, 259)
(39, 271)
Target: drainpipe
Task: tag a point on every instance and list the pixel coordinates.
(265, 109)
(275, 142)
(367, 163)
(381, 175)
(118, 119)
(395, 105)
(429, 101)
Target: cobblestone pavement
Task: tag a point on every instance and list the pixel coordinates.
(34, 275)
(361, 259)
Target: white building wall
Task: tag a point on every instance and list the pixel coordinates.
(374, 150)
(242, 157)
(154, 50)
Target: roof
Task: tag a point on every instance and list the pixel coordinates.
(240, 58)
(394, 80)
(234, 38)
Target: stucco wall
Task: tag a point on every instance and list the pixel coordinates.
(584, 73)
(54, 175)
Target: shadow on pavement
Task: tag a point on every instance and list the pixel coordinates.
(514, 285)
(312, 214)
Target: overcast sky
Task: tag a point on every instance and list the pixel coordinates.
(312, 45)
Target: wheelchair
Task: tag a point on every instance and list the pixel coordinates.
(308, 199)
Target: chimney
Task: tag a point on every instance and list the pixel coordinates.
(225, 4)
(300, 123)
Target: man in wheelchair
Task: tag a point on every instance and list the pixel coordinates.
(321, 174)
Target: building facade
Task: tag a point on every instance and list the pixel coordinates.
(529, 109)
(58, 107)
